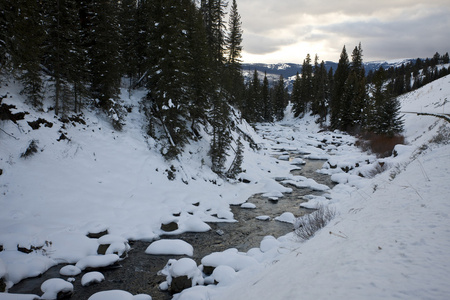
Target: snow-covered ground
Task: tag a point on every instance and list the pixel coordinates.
(389, 238)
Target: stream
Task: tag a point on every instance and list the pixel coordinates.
(137, 273)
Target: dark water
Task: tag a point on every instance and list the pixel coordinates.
(137, 273)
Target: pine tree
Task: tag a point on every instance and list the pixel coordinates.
(357, 96)
(104, 58)
(340, 77)
(279, 99)
(253, 101)
(221, 137)
(306, 87)
(128, 37)
(233, 44)
(321, 91)
(296, 97)
(383, 109)
(266, 101)
(63, 55)
(27, 52)
(6, 19)
(168, 79)
(236, 166)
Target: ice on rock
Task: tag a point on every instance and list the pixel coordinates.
(170, 247)
(52, 287)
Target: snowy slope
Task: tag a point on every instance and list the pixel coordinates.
(391, 235)
(389, 239)
(99, 179)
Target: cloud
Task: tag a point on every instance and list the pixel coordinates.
(386, 28)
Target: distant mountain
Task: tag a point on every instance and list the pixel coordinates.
(289, 70)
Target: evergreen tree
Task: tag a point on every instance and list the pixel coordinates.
(306, 86)
(296, 97)
(279, 99)
(29, 33)
(168, 78)
(321, 92)
(266, 101)
(128, 37)
(221, 137)
(104, 57)
(340, 77)
(250, 111)
(355, 92)
(383, 109)
(6, 19)
(236, 166)
(63, 56)
(234, 79)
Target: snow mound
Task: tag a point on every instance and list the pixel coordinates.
(118, 295)
(70, 270)
(170, 247)
(286, 217)
(97, 261)
(91, 278)
(52, 287)
(231, 258)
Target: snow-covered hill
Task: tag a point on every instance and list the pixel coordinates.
(391, 235)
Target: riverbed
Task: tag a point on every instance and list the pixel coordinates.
(137, 273)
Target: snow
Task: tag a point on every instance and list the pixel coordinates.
(97, 261)
(389, 238)
(70, 270)
(230, 257)
(170, 247)
(182, 267)
(248, 205)
(52, 287)
(92, 277)
(286, 217)
(118, 295)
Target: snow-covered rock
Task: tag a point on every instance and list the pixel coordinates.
(56, 287)
(91, 278)
(170, 247)
(69, 270)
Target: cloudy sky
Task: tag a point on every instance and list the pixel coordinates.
(286, 30)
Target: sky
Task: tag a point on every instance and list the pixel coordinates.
(282, 31)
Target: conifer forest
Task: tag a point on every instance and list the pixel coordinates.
(187, 55)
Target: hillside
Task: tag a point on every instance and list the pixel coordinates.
(389, 237)
(387, 240)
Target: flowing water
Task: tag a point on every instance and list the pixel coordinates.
(138, 272)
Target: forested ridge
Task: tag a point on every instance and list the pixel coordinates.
(188, 59)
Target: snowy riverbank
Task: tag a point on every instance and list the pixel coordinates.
(389, 238)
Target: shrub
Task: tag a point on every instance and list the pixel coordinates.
(31, 149)
(380, 144)
(306, 226)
